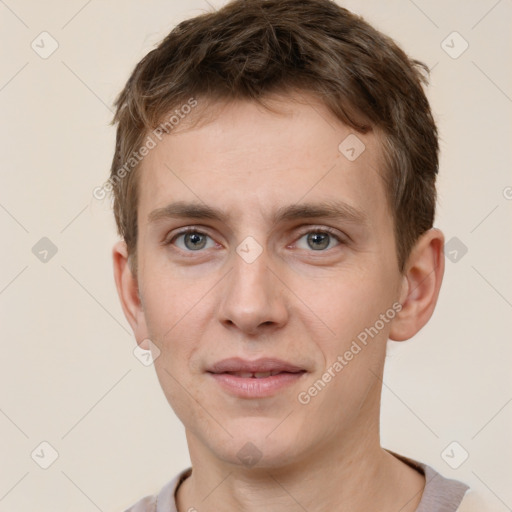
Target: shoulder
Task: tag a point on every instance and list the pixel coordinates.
(146, 504)
(440, 493)
(164, 501)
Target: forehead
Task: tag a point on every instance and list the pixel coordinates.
(246, 159)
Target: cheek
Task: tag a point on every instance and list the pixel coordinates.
(166, 310)
(176, 311)
(344, 304)
(168, 296)
(173, 323)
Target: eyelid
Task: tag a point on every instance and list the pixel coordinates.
(313, 228)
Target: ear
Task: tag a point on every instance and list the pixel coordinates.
(421, 283)
(128, 291)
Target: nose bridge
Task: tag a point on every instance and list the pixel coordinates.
(251, 296)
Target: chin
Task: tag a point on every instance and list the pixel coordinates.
(259, 446)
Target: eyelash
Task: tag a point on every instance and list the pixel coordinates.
(323, 230)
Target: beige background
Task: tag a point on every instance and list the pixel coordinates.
(69, 375)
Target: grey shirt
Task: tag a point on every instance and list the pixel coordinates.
(440, 494)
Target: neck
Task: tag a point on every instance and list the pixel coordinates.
(351, 479)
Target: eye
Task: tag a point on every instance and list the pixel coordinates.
(318, 240)
(192, 240)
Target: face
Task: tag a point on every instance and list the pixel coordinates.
(262, 247)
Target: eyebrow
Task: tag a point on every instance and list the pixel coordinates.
(336, 210)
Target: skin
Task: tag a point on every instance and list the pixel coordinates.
(301, 304)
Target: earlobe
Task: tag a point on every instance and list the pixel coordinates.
(421, 284)
(128, 291)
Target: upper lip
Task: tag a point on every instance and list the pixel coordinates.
(236, 364)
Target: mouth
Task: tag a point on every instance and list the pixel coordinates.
(257, 375)
(255, 379)
(248, 368)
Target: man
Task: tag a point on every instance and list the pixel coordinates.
(274, 187)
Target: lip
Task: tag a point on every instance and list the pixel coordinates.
(283, 375)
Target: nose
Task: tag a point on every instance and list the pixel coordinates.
(252, 298)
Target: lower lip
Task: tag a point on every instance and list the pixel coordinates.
(251, 387)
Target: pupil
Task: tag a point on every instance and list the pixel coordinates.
(318, 240)
(194, 241)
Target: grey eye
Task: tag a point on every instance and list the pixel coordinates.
(193, 241)
(317, 241)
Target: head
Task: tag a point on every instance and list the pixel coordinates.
(295, 144)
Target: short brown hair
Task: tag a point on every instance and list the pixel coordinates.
(251, 49)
